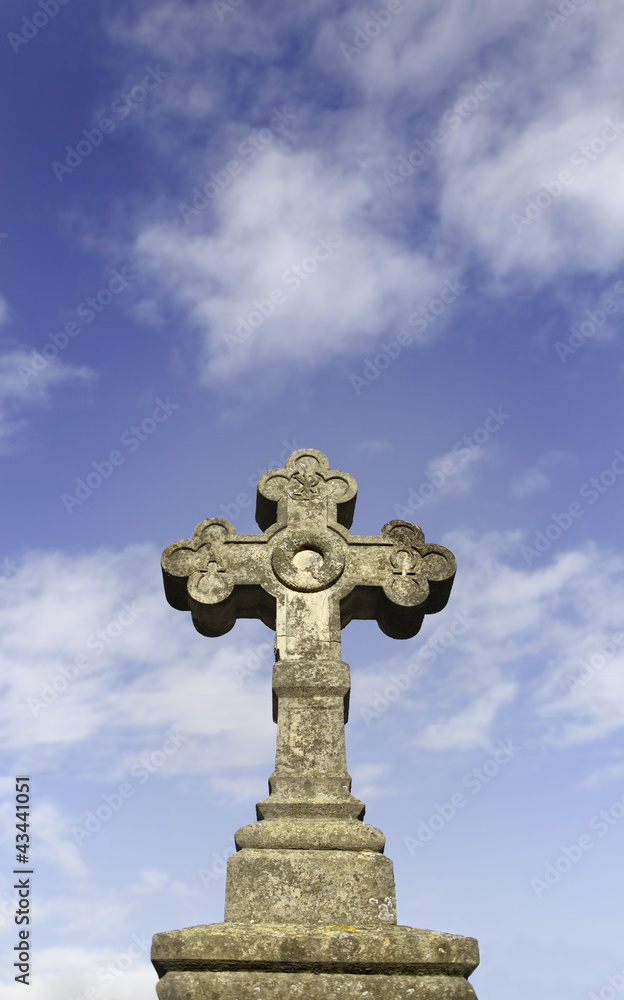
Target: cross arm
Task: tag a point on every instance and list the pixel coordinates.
(219, 576)
(397, 579)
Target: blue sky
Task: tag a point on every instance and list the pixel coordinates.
(231, 230)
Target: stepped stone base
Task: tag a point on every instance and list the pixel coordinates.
(232, 961)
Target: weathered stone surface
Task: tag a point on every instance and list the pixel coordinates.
(242, 962)
(310, 779)
(390, 950)
(311, 834)
(327, 887)
(309, 986)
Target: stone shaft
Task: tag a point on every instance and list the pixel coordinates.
(310, 706)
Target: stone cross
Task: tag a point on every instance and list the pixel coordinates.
(306, 577)
(309, 896)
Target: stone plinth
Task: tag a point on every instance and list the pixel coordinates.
(232, 961)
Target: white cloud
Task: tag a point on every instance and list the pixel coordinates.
(151, 880)
(527, 631)
(514, 146)
(293, 229)
(495, 157)
(406, 56)
(605, 774)
(472, 725)
(455, 471)
(529, 482)
(537, 478)
(140, 672)
(5, 312)
(506, 648)
(545, 621)
(372, 448)
(68, 972)
(53, 841)
(154, 880)
(23, 386)
(585, 710)
(95, 911)
(372, 782)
